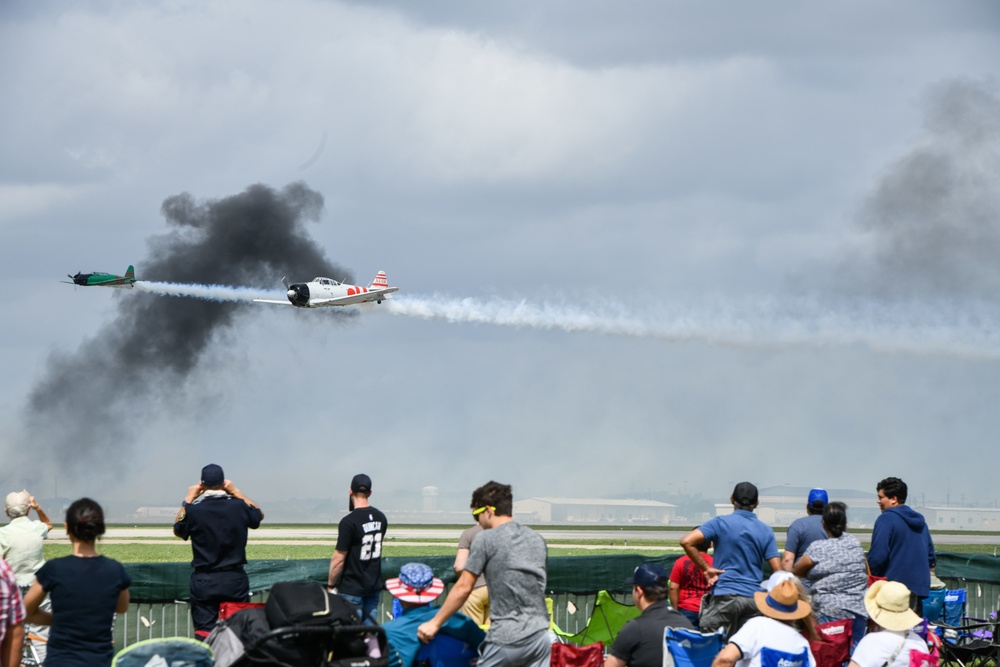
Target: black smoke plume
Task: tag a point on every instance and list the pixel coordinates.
(933, 221)
(86, 407)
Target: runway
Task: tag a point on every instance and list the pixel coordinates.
(614, 537)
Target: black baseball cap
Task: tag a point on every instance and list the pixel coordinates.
(212, 475)
(745, 493)
(361, 482)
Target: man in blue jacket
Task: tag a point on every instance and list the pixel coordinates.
(902, 549)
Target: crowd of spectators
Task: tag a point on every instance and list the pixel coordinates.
(822, 576)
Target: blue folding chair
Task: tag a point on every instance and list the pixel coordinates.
(689, 648)
(954, 607)
(934, 605)
(770, 657)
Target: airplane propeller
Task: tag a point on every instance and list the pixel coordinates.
(298, 294)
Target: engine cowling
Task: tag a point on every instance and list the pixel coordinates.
(298, 294)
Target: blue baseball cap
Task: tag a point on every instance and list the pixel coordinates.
(647, 575)
(818, 497)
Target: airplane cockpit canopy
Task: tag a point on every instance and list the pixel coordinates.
(326, 281)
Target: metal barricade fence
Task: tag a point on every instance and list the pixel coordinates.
(570, 612)
(154, 620)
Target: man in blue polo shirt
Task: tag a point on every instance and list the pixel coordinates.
(742, 543)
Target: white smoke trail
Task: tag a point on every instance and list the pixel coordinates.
(209, 292)
(913, 328)
(944, 328)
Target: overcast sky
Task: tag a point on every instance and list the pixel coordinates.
(641, 247)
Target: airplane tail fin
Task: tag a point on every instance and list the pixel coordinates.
(380, 282)
(130, 273)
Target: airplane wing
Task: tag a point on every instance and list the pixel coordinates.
(279, 303)
(364, 297)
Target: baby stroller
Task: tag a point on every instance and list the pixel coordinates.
(301, 625)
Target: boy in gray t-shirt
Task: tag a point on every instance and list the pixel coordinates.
(513, 558)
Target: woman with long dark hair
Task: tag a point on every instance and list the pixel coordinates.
(86, 590)
(837, 573)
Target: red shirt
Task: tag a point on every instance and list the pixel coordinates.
(691, 581)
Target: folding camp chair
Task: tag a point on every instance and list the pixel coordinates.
(954, 607)
(833, 648)
(568, 655)
(173, 651)
(934, 605)
(970, 644)
(607, 619)
(689, 648)
(770, 657)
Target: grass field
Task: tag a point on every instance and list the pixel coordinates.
(154, 550)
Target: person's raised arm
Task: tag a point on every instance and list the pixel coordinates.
(231, 489)
(42, 516)
(787, 560)
(192, 494)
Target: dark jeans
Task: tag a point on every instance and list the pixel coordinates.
(691, 616)
(367, 606)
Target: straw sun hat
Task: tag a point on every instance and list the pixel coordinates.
(781, 601)
(888, 604)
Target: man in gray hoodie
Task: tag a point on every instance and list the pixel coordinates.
(901, 549)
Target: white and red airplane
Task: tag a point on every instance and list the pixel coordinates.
(320, 292)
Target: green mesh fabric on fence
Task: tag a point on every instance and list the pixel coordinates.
(582, 575)
(982, 568)
(162, 582)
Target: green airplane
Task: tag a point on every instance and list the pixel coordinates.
(103, 279)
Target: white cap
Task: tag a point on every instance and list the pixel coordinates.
(777, 578)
